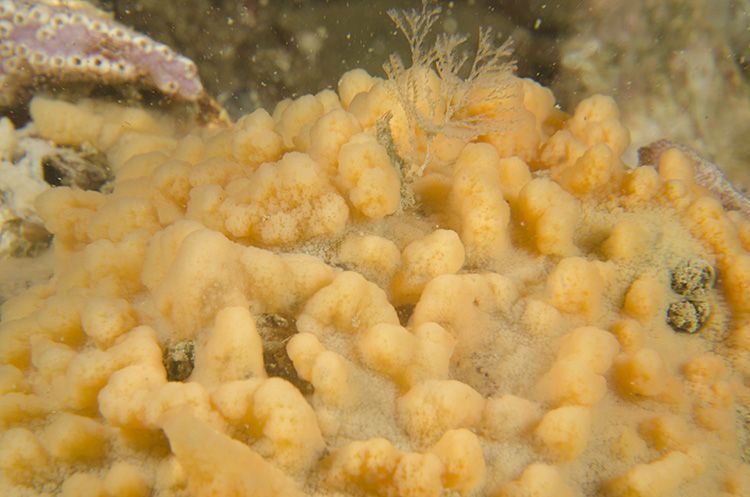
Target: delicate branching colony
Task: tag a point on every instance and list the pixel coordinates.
(440, 92)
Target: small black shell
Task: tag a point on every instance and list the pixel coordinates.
(693, 278)
(687, 316)
(276, 330)
(179, 360)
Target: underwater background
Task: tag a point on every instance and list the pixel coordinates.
(679, 69)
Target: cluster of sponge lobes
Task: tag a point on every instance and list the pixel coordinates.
(505, 335)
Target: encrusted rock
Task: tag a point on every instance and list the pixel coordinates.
(71, 41)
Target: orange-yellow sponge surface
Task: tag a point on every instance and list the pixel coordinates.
(356, 294)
